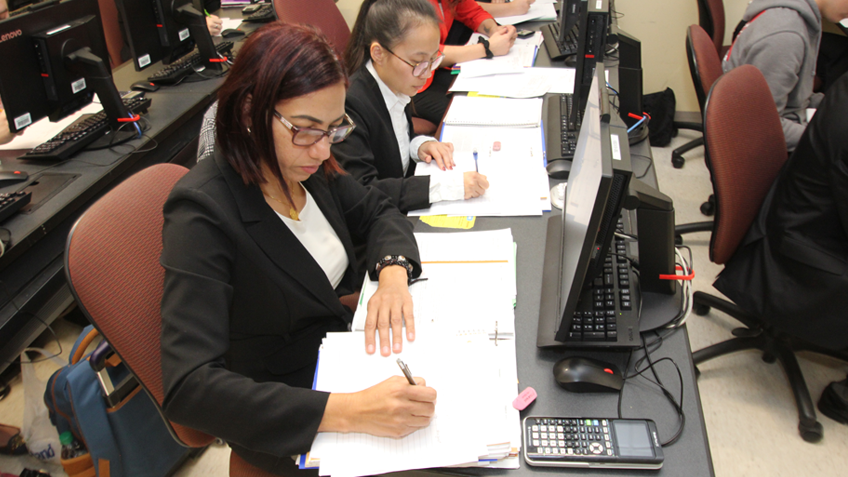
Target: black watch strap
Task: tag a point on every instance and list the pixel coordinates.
(395, 260)
(485, 42)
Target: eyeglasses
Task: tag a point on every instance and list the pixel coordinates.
(310, 136)
(420, 69)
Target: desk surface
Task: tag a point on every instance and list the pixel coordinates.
(690, 455)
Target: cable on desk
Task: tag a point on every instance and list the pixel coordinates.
(648, 168)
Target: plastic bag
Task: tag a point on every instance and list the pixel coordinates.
(42, 439)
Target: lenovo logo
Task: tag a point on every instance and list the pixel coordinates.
(10, 35)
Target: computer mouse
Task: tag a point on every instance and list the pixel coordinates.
(10, 177)
(144, 86)
(231, 32)
(587, 375)
(559, 168)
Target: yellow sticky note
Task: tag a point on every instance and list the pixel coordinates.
(445, 222)
(474, 94)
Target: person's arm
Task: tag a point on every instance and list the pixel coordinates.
(502, 9)
(357, 157)
(779, 57)
(6, 135)
(501, 39)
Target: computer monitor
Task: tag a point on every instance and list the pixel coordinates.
(141, 30)
(579, 239)
(60, 61)
(591, 45)
(569, 15)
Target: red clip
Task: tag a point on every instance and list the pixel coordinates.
(679, 277)
(133, 119)
(634, 116)
(590, 56)
(217, 60)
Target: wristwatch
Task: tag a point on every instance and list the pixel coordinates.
(485, 42)
(395, 260)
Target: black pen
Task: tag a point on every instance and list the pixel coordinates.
(406, 372)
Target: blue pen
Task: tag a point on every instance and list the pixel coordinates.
(476, 169)
(637, 124)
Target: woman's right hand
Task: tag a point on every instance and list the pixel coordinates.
(502, 40)
(522, 6)
(475, 184)
(392, 408)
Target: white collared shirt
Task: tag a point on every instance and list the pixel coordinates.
(449, 186)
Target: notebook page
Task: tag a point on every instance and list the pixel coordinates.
(495, 111)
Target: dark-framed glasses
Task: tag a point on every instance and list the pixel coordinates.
(309, 136)
(426, 66)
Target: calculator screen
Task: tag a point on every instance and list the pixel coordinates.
(633, 439)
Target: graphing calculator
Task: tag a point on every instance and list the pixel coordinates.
(591, 443)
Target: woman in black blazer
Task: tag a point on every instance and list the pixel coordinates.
(257, 251)
(393, 49)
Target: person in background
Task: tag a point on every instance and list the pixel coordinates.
(432, 100)
(393, 49)
(781, 38)
(506, 8)
(257, 252)
(4, 10)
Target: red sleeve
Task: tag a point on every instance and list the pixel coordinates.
(471, 14)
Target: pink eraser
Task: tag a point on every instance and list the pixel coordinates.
(496, 146)
(524, 399)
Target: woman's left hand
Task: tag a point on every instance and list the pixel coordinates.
(441, 152)
(389, 308)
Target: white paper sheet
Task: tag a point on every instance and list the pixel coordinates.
(466, 110)
(539, 11)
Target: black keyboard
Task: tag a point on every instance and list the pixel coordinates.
(560, 131)
(12, 202)
(81, 133)
(176, 71)
(606, 304)
(558, 50)
(263, 15)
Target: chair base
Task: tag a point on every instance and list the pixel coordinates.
(677, 159)
(775, 347)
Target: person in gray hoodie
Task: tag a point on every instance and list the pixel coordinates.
(781, 38)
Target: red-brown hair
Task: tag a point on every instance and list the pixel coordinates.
(280, 61)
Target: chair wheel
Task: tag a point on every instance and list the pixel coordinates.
(708, 209)
(700, 310)
(769, 357)
(677, 161)
(812, 433)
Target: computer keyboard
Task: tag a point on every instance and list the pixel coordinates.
(176, 71)
(558, 50)
(560, 131)
(607, 304)
(12, 202)
(263, 15)
(81, 133)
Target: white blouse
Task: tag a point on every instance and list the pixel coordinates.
(320, 240)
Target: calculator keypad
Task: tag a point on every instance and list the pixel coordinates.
(565, 437)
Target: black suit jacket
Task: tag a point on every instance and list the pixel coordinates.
(371, 153)
(245, 306)
(792, 267)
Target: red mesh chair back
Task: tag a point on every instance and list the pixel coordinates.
(704, 63)
(745, 150)
(112, 266)
(111, 30)
(711, 19)
(322, 14)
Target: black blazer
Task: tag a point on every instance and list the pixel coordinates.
(371, 153)
(792, 267)
(245, 306)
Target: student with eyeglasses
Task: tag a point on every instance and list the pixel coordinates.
(393, 49)
(258, 257)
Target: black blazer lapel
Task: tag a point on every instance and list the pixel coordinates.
(388, 153)
(277, 241)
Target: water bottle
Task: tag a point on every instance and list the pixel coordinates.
(71, 447)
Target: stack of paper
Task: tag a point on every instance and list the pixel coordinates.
(539, 11)
(472, 370)
(518, 182)
(520, 56)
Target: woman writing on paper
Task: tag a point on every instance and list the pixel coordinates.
(257, 251)
(432, 100)
(393, 48)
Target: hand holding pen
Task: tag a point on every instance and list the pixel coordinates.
(475, 183)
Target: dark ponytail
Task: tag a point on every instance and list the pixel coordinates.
(386, 22)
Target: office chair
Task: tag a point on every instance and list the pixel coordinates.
(322, 14)
(111, 30)
(711, 19)
(705, 68)
(112, 267)
(743, 162)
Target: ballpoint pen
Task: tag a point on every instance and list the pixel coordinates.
(476, 169)
(406, 372)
